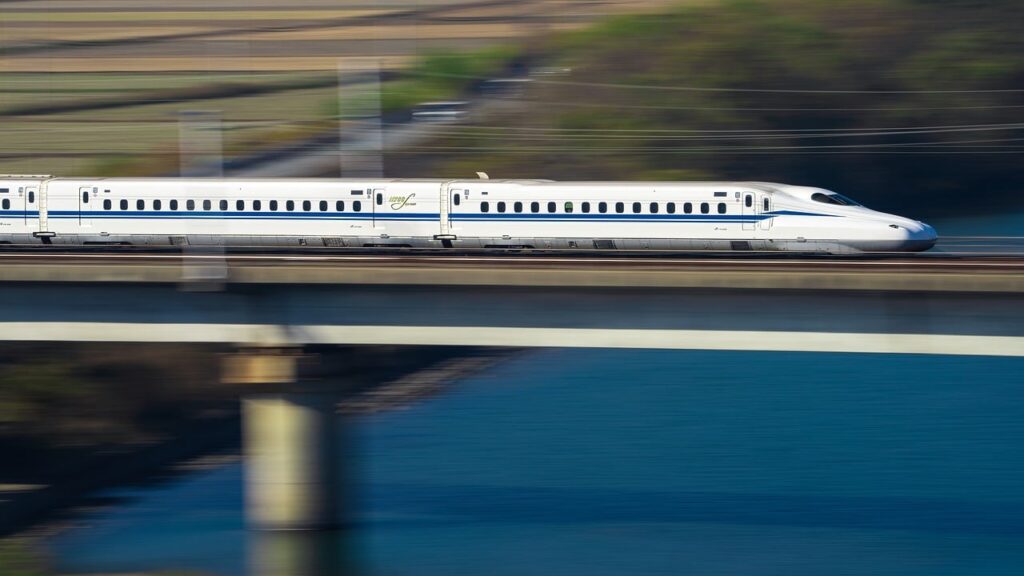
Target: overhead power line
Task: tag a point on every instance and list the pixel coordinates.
(722, 90)
(759, 109)
(520, 133)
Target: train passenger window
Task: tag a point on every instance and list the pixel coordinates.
(124, 204)
(501, 206)
(705, 208)
(257, 205)
(106, 204)
(518, 207)
(551, 207)
(207, 205)
(485, 206)
(6, 204)
(748, 200)
(380, 199)
(140, 204)
(585, 207)
(323, 205)
(190, 204)
(223, 205)
(654, 207)
(289, 205)
(339, 206)
(307, 205)
(273, 205)
(357, 205)
(670, 208)
(721, 207)
(456, 199)
(568, 207)
(620, 207)
(174, 204)
(602, 207)
(765, 204)
(688, 208)
(534, 207)
(157, 204)
(31, 196)
(239, 205)
(636, 207)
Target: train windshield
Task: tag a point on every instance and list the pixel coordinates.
(834, 198)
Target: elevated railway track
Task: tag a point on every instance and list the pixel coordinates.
(988, 270)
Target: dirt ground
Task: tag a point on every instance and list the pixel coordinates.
(145, 35)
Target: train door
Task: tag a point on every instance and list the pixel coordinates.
(766, 209)
(86, 199)
(456, 197)
(749, 211)
(31, 203)
(451, 198)
(377, 207)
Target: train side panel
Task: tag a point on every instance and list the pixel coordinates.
(603, 215)
(19, 209)
(255, 212)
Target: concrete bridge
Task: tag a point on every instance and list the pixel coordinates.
(272, 305)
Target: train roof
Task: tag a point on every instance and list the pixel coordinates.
(619, 183)
(767, 186)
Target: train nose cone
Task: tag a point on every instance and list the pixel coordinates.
(920, 237)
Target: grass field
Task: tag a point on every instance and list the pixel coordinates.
(18, 91)
(139, 63)
(69, 140)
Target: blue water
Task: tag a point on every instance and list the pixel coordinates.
(600, 462)
(1010, 224)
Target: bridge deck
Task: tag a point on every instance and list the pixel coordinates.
(916, 305)
(947, 274)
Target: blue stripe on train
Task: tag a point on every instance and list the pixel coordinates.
(603, 218)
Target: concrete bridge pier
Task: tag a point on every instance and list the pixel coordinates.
(293, 477)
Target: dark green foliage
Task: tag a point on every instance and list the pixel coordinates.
(771, 90)
(443, 76)
(90, 394)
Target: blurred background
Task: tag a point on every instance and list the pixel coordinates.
(125, 459)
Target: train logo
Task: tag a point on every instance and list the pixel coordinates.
(399, 202)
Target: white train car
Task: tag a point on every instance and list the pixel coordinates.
(447, 213)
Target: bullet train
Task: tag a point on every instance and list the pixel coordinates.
(480, 213)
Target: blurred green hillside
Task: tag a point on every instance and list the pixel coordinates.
(908, 105)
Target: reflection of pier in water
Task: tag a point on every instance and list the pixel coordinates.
(301, 553)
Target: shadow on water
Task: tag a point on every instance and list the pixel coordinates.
(459, 504)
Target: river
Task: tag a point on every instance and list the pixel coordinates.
(651, 462)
